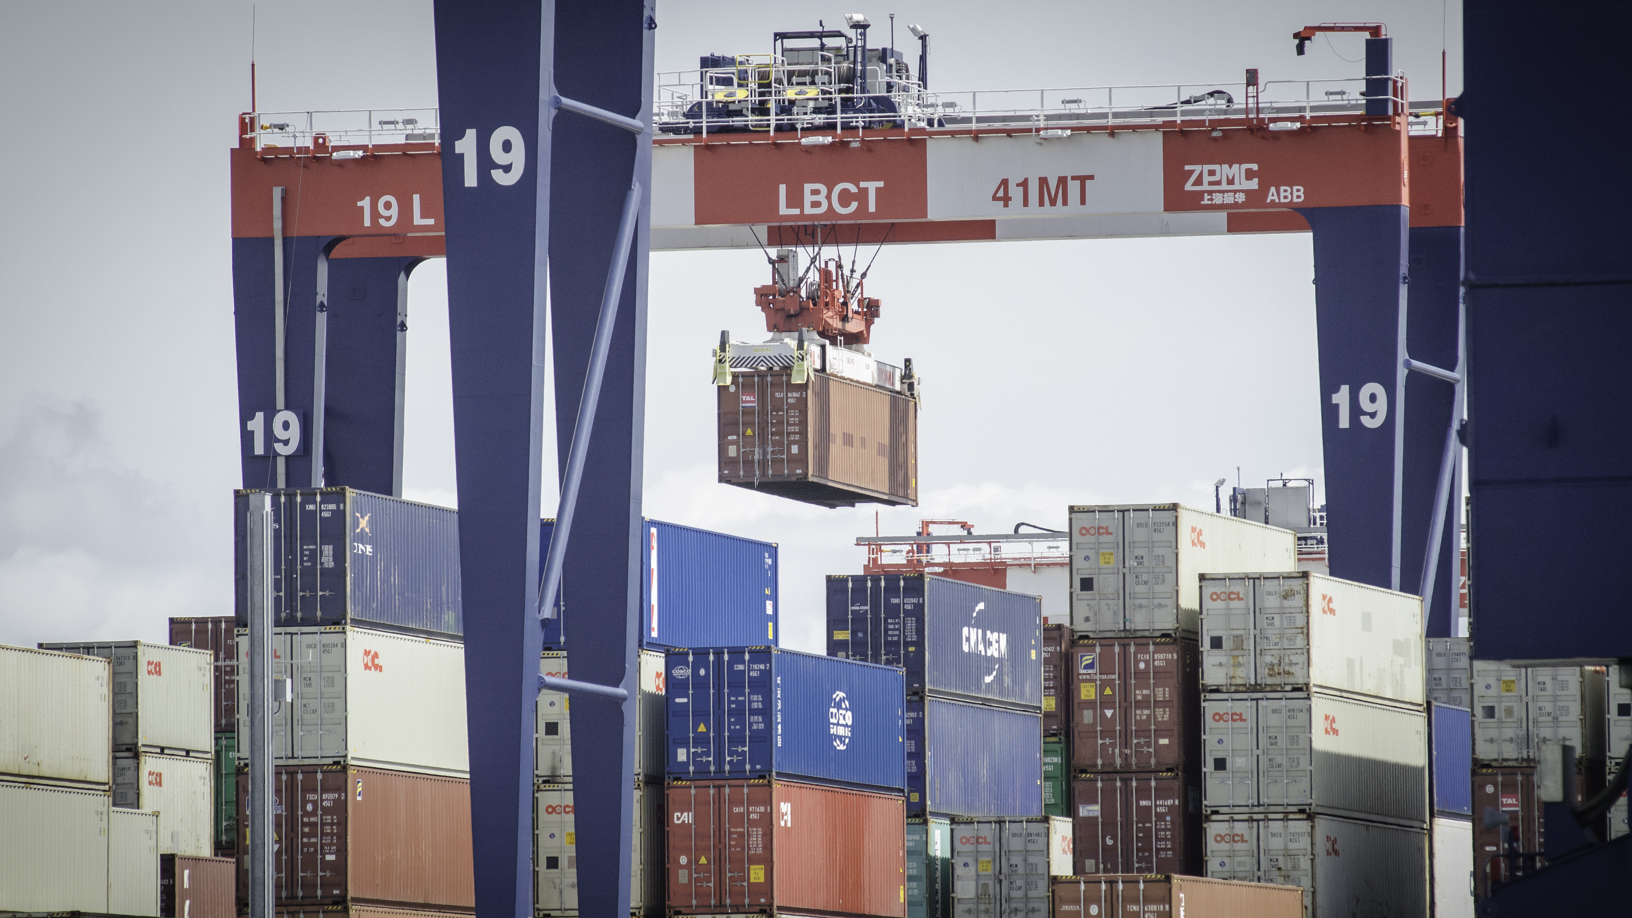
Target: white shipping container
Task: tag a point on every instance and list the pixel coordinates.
(1516, 709)
(555, 851)
(1134, 567)
(1450, 676)
(178, 789)
(1001, 867)
(1286, 632)
(1452, 860)
(58, 720)
(1301, 750)
(133, 862)
(1346, 867)
(1618, 824)
(1501, 725)
(1619, 711)
(53, 849)
(377, 698)
(163, 696)
(553, 761)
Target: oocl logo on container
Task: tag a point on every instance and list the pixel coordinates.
(1226, 596)
(1229, 717)
(1229, 838)
(562, 809)
(1094, 531)
(839, 720)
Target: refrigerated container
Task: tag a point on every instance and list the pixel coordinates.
(161, 695)
(1134, 567)
(178, 789)
(1056, 778)
(347, 834)
(1618, 712)
(1136, 823)
(1501, 716)
(219, 636)
(224, 786)
(972, 760)
(1056, 679)
(555, 851)
(1315, 752)
(929, 867)
(1450, 674)
(53, 848)
(368, 697)
(58, 724)
(1134, 704)
(1001, 868)
(133, 862)
(954, 639)
(196, 887)
(1452, 756)
(765, 711)
(553, 760)
(780, 847)
(1346, 867)
(1138, 895)
(1516, 709)
(1304, 631)
(1507, 820)
(1451, 858)
(347, 557)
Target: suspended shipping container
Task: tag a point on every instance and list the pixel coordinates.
(1056, 779)
(365, 834)
(1134, 704)
(178, 789)
(929, 867)
(1118, 895)
(345, 557)
(1452, 757)
(1304, 631)
(1056, 679)
(972, 760)
(1136, 823)
(161, 695)
(133, 863)
(1002, 868)
(1451, 850)
(58, 724)
(1346, 868)
(778, 847)
(1134, 566)
(954, 639)
(1507, 820)
(218, 635)
(196, 887)
(763, 711)
(553, 760)
(555, 851)
(53, 849)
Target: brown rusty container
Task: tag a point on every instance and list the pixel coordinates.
(1136, 823)
(775, 847)
(1135, 704)
(357, 910)
(366, 835)
(828, 441)
(217, 635)
(1511, 792)
(1128, 896)
(197, 887)
(1056, 701)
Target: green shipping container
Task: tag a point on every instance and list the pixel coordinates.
(1054, 778)
(226, 794)
(929, 868)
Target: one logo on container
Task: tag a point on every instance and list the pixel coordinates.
(840, 720)
(979, 641)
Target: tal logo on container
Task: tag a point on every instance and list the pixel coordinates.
(839, 720)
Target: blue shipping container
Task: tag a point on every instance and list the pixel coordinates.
(954, 639)
(973, 760)
(698, 589)
(1452, 751)
(761, 712)
(344, 556)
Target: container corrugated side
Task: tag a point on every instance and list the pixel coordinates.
(178, 789)
(1056, 778)
(1137, 823)
(1311, 751)
(1056, 680)
(218, 635)
(1302, 631)
(133, 862)
(197, 887)
(929, 867)
(555, 851)
(1340, 863)
(784, 847)
(1139, 895)
(552, 761)
(162, 696)
(1452, 755)
(1451, 860)
(972, 760)
(225, 788)
(762, 711)
(53, 849)
(1133, 704)
(954, 639)
(1134, 567)
(59, 717)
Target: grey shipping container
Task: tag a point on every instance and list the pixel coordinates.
(929, 867)
(553, 760)
(1451, 859)
(162, 696)
(218, 635)
(1346, 867)
(1516, 709)
(196, 887)
(972, 760)
(1618, 710)
(178, 789)
(555, 851)
(350, 557)
(1314, 752)
(58, 723)
(1450, 674)
(133, 862)
(954, 639)
(53, 849)
(1137, 823)
(1001, 868)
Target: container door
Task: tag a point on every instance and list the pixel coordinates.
(552, 762)
(1228, 633)
(1151, 581)
(556, 853)
(1285, 759)
(1096, 571)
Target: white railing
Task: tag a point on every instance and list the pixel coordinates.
(348, 128)
(917, 552)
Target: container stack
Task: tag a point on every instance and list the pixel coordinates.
(1315, 740)
(218, 635)
(1056, 720)
(1450, 842)
(1132, 671)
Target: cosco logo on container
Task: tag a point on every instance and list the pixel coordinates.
(560, 809)
(839, 720)
(1094, 531)
(371, 662)
(1229, 838)
(155, 668)
(1229, 717)
(681, 672)
(1226, 596)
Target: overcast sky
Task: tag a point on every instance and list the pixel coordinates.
(1055, 372)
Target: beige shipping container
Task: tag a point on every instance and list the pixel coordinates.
(553, 761)
(163, 696)
(58, 721)
(1172, 896)
(1452, 853)
(53, 849)
(1347, 868)
(555, 851)
(1134, 567)
(133, 862)
(1303, 631)
(178, 789)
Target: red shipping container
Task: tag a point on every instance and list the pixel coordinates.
(775, 846)
(197, 887)
(1056, 703)
(218, 636)
(1137, 823)
(365, 835)
(1135, 704)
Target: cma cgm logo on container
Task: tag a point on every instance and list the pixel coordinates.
(839, 720)
(155, 668)
(983, 643)
(371, 662)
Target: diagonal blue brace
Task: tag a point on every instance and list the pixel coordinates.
(599, 114)
(575, 687)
